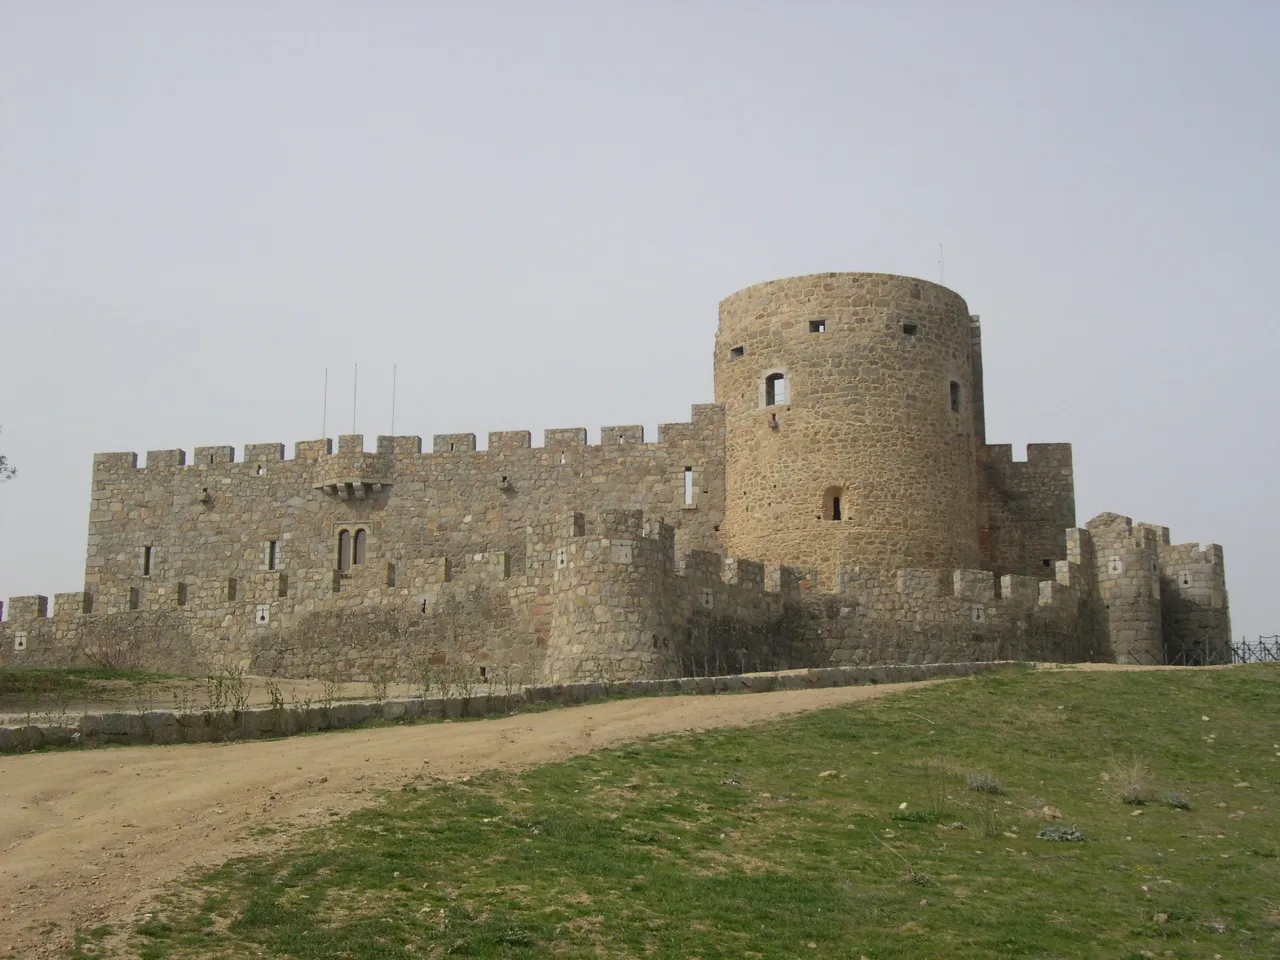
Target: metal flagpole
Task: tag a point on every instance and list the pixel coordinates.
(355, 388)
(393, 399)
(324, 420)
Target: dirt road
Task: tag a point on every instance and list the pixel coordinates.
(88, 837)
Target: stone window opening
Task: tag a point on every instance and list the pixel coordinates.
(231, 589)
(146, 561)
(562, 459)
(832, 506)
(133, 598)
(910, 329)
(424, 606)
(955, 397)
(273, 553)
(1048, 563)
(688, 486)
(344, 551)
(737, 352)
(180, 594)
(358, 547)
(817, 326)
(451, 448)
(775, 389)
(211, 458)
(261, 470)
(484, 674)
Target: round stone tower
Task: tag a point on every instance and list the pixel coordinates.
(849, 415)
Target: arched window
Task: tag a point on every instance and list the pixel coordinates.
(955, 397)
(344, 550)
(832, 507)
(775, 389)
(357, 554)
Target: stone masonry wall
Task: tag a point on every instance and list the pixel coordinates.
(1028, 505)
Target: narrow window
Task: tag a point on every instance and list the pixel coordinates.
(146, 561)
(344, 550)
(955, 397)
(832, 508)
(261, 470)
(181, 594)
(775, 389)
(817, 326)
(736, 352)
(688, 486)
(282, 588)
(391, 574)
(231, 589)
(451, 448)
(133, 598)
(357, 554)
(484, 674)
(910, 329)
(271, 554)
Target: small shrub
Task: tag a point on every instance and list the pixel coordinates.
(1176, 800)
(1132, 782)
(984, 783)
(1060, 834)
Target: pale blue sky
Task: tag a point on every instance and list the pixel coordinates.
(533, 209)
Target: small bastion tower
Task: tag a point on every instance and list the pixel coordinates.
(851, 434)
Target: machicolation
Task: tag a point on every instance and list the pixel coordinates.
(838, 505)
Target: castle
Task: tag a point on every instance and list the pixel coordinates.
(837, 505)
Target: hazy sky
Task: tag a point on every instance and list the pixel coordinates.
(534, 208)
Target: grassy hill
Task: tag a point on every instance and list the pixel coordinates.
(905, 827)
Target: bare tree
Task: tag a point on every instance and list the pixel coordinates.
(6, 471)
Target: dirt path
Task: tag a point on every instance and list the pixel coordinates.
(88, 837)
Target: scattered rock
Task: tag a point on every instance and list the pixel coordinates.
(1137, 813)
(1162, 918)
(1053, 813)
(827, 773)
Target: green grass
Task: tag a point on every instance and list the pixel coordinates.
(789, 840)
(22, 684)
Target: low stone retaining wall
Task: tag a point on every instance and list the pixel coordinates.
(163, 727)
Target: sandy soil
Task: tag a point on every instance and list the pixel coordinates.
(89, 837)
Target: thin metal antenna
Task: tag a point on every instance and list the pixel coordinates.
(942, 273)
(393, 399)
(355, 389)
(324, 420)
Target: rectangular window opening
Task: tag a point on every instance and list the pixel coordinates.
(817, 326)
(133, 598)
(231, 589)
(181, 594)
(835, 508)
(736, 352)
(955, 397)
(272, 547)
(688, 486)
(146, 561)
(910, 329)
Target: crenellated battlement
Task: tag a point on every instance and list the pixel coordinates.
(410, 447)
